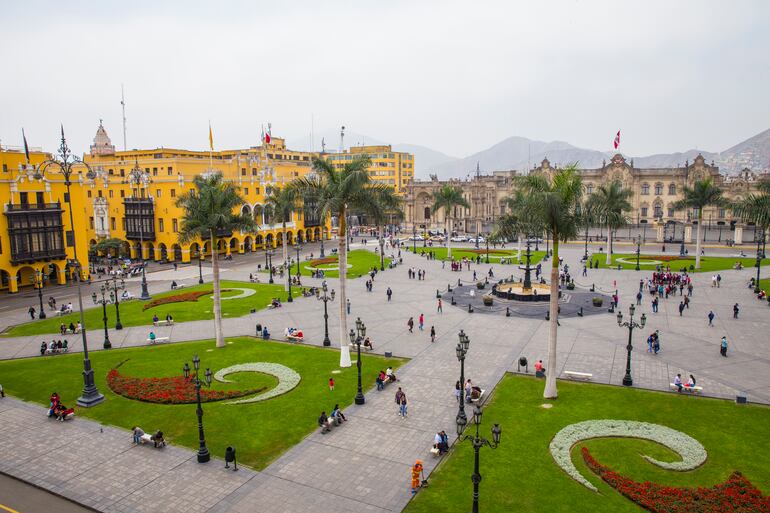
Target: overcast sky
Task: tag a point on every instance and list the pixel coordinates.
(455, 76)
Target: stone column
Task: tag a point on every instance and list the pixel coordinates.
(186, 256)
(156, 255)
(659, 230)
(61, 276)
(13, 284)
(738, 234)
(688, 233)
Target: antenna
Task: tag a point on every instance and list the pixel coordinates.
(123, 105)
(342, 139)
(323, 144)
(312, 132)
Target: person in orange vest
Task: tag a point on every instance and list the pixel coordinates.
(417, 476)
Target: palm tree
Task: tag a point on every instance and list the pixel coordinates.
(386, 205)
(554, 205)
(282, 203)
(588, 218)
(702, 194)
(207, 213)
(610, 204)
(337, 191)
(513, 223)
(755, 208)
(448, 197)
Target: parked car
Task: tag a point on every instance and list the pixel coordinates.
(473, 239)
(416, 237)
(533, 240)
(457, 238)
(437, 238)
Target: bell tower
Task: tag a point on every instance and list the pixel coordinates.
(102, 144)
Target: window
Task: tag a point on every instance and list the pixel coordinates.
(99, 193)
(157, 193)
(169, 171)
(590, 188)
(243, 171)
(91, 222)
(253, 171)
(659, 211)
(112, 222)
(5, 168)
(672, 189)
(89, 194)
(40, 198)
(256, 190)
(155, 171)
(658, 189)
(122, 172)
(122, 193)
(645, 189)
(246, 191)
(160, 224)
(721, 213)
(644, 211)
(110, 192)
(173, 193)
(175, 225)
(670, 212)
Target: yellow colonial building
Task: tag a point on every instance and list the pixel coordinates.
(131, 196)
(389, 167)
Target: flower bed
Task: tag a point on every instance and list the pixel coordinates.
(287, 378)
(323, 261)
(179, 298)
(175, 390)
(484, 251)
(736, 495)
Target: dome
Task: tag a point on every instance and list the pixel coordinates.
(102, 144)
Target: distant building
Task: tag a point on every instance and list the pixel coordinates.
(388, 167)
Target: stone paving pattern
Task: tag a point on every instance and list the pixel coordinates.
(364, 465)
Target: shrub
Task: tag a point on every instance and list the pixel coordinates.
(597, 301)
(487, 300)
(570, 286)
(179, 298)
(480, 285)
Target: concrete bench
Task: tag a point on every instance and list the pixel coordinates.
(477, 399)
(331, 423)
(158, 340)
(57, 351)
(363, 347)
(163, 323)
(147, 438)
(693, 390)
(294, 338)
(579, 375)
(63, 312)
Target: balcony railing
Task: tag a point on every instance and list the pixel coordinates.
(31, 207)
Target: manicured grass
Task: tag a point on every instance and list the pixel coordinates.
(132, 313)
(708, 263)
(764, 284)
(360, 261)
(521, 475)
(260, 432)
(494, 254)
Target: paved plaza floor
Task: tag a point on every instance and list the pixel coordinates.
(364, 466)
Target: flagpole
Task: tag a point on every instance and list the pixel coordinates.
(211, 148)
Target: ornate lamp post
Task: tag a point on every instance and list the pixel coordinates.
(322, 241)
(200, 267)
(37, 280)
(288, 277)
(107, 297)
(478, 442)
(759, 263)
(137, 177)
(487, 261)
(203, 452)
(269, 256)
(325, 298)
(630, 324)
(356, 338)
(64, 161)
(298, 247)
(414, 239)
(638, 250)
(461, 350)
(114, 288)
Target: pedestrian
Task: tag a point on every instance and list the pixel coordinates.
(474, 275)
(2, 391)
(585, 273)
(432, 334)
(656, 342)
(687, 301)
(723, 347)
(440, 308)
(331, 384)
(347, 303)
(639, 298)
(417, 476)
(711, 318)
(650, 340)
(389, 293)
(735, 311)
(175, 266)
(399, 394)
(655, 305)
(681, 308)
(458, 391)
(402, 406)
(422, 321)
(32, 312)
(689, 289)
(719, 280)
(410, 323)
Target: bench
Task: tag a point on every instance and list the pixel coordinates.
(477, 399)
(163, 323)
(147, 438)
(57, 351)
(63, 312)
(580, 375)
(331, 422)
(294, 338)
(694, 390)
(158, 340)
(363, 347)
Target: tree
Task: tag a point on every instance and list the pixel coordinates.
(513, 223)
(755, 208)
(448, 197)
(553, 204)
(336, 192)
(213, 207)
(387, 204)
(587, 217)
(702, 194)
(282, 203)
(610, 204)
(107, 245)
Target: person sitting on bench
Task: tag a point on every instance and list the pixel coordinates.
(539, 369)
(380, 380)
(441, 442)
(169, 319)
(337, 414)
(155, 318)
(368, 344)
(152, 337)
(173, 285)
(323, 422)
(678, 382)
(52, 347)
(72, 328)
(43, 348)
(275, 303)
(690, 382)
(389, 374)
(158, 440)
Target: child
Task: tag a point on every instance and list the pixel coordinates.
(417, 476)
(331, 384)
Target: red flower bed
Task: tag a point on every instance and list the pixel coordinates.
(670, 258)
(484, 251)
(736, 495)
(179, 298)
(176, 390)
(322, 261)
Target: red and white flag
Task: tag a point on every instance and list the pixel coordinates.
(616, 142)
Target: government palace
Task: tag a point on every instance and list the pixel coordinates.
(131, 196)
(655, 192)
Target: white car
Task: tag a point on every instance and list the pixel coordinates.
(415, 237)
(473, 239)
(458, 239)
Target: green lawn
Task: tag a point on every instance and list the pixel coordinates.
(132, 313)
(494, 254)
(708, 264)
(260, 432)
(360, 262)
(521, 475)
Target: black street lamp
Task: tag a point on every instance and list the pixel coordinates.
(107, 297)
(630, 324)
(288, 277)
(487, 261)
(461, 350)
(297, 248)
(325, 298)
(414, 239)
(203, 452)
(269, 256)
(638, 250)
(137, 176)
(114, 288)
(37, 280)
(322, 242)
(478, 442)
(356, 337)
(200, 267)
(65, 163)
(759, 263)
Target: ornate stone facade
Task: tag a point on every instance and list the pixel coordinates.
(655, 192)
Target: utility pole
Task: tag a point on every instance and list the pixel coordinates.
(123, 106)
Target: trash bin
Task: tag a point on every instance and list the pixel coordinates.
(230, 458)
